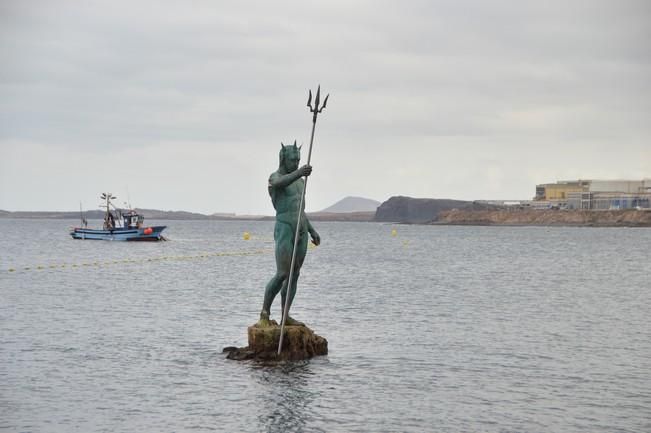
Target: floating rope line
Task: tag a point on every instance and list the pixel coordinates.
(204, 255)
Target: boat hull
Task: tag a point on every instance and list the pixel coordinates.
(120, 234)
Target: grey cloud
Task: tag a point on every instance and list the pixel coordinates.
(450, 81)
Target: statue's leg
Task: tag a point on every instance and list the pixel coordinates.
(283, 292)
(271, 290)
(300, 257)
(282, 236)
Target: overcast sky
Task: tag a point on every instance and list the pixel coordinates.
(183, 104)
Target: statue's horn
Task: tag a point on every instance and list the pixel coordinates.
(294, 143)
(282, 145)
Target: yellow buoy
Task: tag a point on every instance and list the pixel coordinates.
(394, 233)
(246, 236)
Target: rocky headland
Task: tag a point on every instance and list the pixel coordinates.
(409, 210)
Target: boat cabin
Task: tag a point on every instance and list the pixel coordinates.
(128, 220)
(132, 220)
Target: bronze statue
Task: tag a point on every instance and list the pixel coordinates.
(286, 187)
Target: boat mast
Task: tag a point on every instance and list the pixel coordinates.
(107, 216)
(84, 223)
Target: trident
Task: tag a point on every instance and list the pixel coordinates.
(315, 110)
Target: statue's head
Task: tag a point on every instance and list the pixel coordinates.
(290, 156)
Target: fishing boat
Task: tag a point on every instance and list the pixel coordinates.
(119, 225)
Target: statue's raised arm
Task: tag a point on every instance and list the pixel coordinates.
(278, 180)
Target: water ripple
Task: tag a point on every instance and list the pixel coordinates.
(438, 328)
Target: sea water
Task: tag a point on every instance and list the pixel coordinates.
(437, 328)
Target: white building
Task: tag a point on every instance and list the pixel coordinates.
(605, 200)
(625, 186)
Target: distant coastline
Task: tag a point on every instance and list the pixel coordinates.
(407, 210)
(185, 216)
(98, 214)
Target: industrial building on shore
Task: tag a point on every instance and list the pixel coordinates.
(594, 194)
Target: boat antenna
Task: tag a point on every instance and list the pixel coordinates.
(315, 111)
(128, 198)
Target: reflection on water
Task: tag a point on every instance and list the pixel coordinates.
(285, 396)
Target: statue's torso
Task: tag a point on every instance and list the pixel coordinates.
(286, 200)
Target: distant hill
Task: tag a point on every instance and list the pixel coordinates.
(352, 204)
(93, 214)
(99, 214)
(173, 215)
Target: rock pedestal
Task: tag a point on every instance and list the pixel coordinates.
(299, 342)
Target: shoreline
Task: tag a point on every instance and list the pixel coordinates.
(456, 217)
(546, 218)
